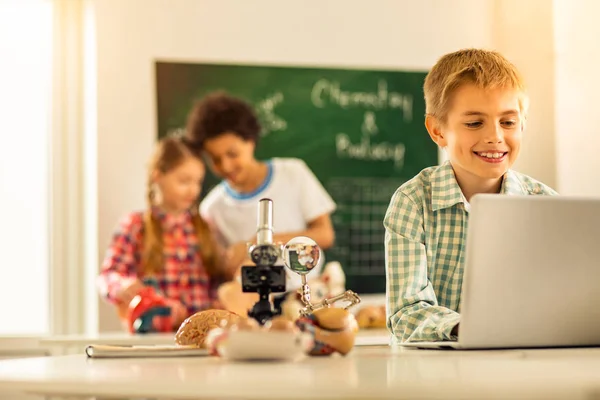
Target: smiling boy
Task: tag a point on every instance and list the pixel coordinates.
(476, 109)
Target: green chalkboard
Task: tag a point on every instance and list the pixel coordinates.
(361, 132)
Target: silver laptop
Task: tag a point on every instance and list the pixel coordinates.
(532, 274)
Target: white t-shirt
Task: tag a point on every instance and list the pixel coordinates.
(298, 198)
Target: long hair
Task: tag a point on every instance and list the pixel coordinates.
(169, 154)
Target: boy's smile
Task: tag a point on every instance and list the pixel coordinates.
(492, 156)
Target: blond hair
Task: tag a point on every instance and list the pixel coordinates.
(483, 68)
(169, 154)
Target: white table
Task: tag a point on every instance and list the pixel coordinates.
(21, 346)
(75, 344)
(366, 373)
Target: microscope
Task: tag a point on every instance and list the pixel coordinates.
(265, 277)
(300, 255)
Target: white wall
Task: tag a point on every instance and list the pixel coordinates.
(577, 87)
(523, 32)
(395, 34)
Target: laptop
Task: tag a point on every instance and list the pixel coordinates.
(532, 274)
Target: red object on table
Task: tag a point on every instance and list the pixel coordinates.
(149, 312)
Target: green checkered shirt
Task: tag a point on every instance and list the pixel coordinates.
(426, 226)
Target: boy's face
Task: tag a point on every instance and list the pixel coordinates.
(229, 157)
(483, 131)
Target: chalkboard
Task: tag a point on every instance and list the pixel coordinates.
(361, 132)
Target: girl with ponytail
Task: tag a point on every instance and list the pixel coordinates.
(168, 245)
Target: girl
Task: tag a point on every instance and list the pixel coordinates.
(169, 245)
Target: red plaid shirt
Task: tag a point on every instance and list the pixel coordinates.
(183, 281)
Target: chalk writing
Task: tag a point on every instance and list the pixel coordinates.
(265, 110)
(326, 92)
(365, 150)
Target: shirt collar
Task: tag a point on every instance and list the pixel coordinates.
(446, 193)
(246, 196)
(512, 185)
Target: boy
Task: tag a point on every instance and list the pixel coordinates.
(226, 129)
(476, 109)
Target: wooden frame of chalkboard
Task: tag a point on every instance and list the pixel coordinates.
(360, 131)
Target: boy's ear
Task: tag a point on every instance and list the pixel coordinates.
(434, 127)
